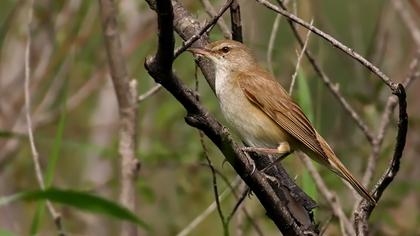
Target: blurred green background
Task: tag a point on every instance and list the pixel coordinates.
(75, 113)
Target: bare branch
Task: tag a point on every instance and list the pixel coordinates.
(347, 50)
(386, 118)
(334, 204)
(150, 93)
(35, 155)
(361, 215)
(221, 22)
(235, 19)
(405, 15)
(197, 220)
(271, 42)
(302, 52)
(332, 87)
(204, 30)
(215, 187)
(126, 92)
(238, 203)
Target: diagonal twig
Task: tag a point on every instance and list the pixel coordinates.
(271, 42)
(334, 204)
(150, 93)
(221, 22)
(327, 81)
(335, 43)
(205, 29)
(35, 155)
(302, 52)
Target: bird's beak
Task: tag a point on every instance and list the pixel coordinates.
(199, 51)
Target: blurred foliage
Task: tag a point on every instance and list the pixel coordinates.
(76, 120)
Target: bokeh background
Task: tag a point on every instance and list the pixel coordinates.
(75, 113)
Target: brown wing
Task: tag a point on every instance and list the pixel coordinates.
(263, 91)
(271, 98)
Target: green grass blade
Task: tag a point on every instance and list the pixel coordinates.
(305, 102)
(80, 200)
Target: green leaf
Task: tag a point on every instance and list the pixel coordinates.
(77, 199)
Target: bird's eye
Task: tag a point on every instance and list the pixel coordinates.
(225, 49)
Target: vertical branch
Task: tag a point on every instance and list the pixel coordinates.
(235, 18)
(35, 155)
(361, 215)
(126, 92)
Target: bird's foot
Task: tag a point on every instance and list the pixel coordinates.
(270, 151)
(283, 147)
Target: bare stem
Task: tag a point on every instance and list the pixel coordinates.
(302, 52)
(126, 91)
(334, 42)
(35, 155)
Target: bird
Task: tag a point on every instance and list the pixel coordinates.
(263, 113)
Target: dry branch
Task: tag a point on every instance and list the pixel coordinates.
(335, 43)
(235, 19)
(327, 81)
(221, 22)
(35, 155)
(126, 92)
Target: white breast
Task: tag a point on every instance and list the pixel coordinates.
(254, 126)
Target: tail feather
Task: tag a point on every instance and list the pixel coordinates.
(343, 172)
(337, 167)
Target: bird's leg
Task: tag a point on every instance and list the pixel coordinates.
(269, 151)
(283, 150)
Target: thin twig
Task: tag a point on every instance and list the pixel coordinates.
(332, 200)
(302, 52)
(385, 119)
(271, 42)
(332, 87)
(405, 15)
(126, 91)
(225, 224)
(253, 222)
(238, 204)
(197, 220)
(325, 225)
(35, 155)
(347, 50)
(221, 22)
(186, 44)
(361, 215)
(149, 93)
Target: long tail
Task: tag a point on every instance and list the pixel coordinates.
(337, 167)
(343, 172)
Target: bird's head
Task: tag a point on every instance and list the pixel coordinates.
(227, 54)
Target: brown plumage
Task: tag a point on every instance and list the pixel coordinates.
(263, 112)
